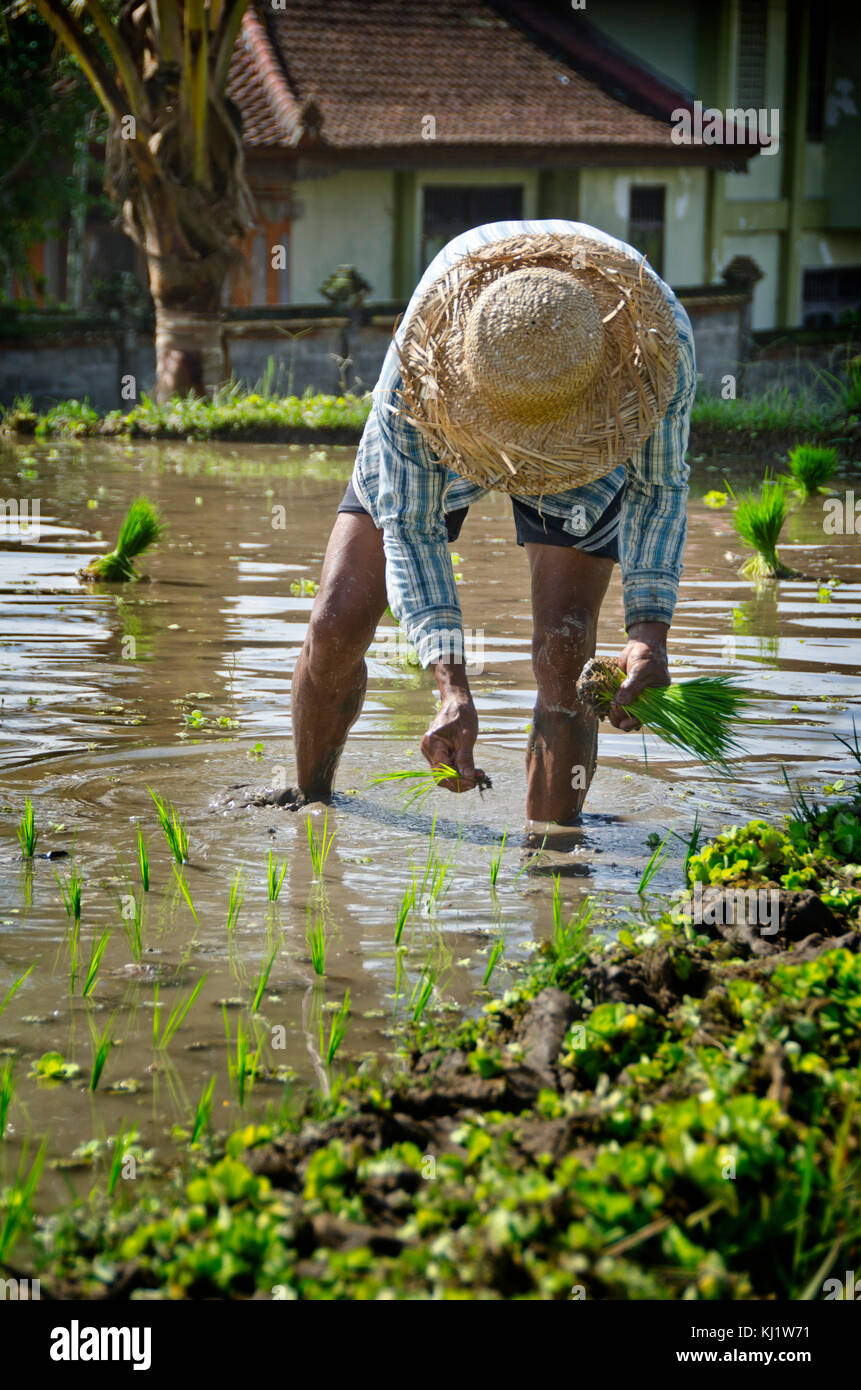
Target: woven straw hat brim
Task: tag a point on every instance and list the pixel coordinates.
(632, 386)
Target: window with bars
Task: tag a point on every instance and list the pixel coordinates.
(646, 223)
(831, 296)
(449, 210)
(750, 69)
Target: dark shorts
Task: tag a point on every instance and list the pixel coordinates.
(533, 527)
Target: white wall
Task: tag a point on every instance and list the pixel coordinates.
(605, 203)
(346, 219)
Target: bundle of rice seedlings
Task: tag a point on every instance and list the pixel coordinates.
(812, 467)
(419, 783)
(141, 529)
(759, 519)
(697, 716)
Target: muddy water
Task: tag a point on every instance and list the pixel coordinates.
(91, 718)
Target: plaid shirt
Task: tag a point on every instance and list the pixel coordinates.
(407, 491)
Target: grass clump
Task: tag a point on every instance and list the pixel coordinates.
(141, 528)
(758, 518)
(697, 716)
(812, 467)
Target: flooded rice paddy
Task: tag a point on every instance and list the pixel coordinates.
(183, 685)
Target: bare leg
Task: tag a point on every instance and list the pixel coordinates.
(568, 587)
(330, 677)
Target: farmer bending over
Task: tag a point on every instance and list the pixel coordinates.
(546, 360)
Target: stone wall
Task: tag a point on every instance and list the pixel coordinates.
(308, 350)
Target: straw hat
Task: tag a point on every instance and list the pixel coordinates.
(539, 362)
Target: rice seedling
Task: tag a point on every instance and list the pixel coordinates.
(433, 885)
(122, 1144)
(71, 891)
(418, 783)
(408, 902)
(496, 861)
(143, 860)
(698, 716)
(568, 938)
(13, 990)
(758, 518)
(97, 950)
(234, 903)
(263, 978)
(242, 1064)
(659, 854)
(28, 835)
(315, 936)
(141, 528)
(173, 828)
(319, 848)
(691, 842)
(275, 876)
(337, 1031)
(203, 1113)
(102, 1044)
(812, 467)
(161, 1037)
(423, 990)
(8, 1085)
(184, 890)
(16, 1201)
(496, 951)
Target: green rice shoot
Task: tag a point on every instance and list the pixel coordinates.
(275, 876)
(161, 1037)
(263, 978)
(812, 467)
(234, 904)
(102, 1044)
(97, 950)
(71, 890)
(173, 828)
(698, 716)
(315, 936)
(141, 529)
(28, 835)
(8, 1085)
(143, 860)
(203, 1112)
(319, 846)
(758, 518)
(337, 1030)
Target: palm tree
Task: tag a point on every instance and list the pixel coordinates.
(174, 159)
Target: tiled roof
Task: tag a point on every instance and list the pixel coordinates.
(362, 75)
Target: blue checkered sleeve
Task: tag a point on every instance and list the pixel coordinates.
(653, 519)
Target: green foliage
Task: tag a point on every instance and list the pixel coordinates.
(45, 101)
(229, 414)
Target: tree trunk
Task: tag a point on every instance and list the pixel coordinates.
(190, 351)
